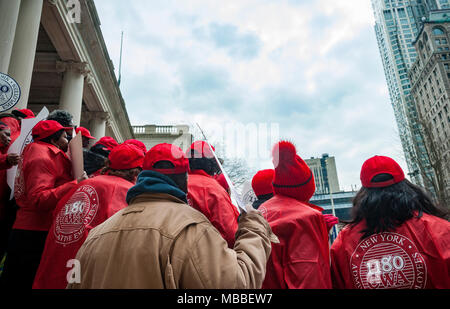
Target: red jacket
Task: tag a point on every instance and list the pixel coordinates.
(301, 259)
(87, 205)
(207, 196)
(414, 256)
(44, 176)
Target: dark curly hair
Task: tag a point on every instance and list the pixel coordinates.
(63, 117)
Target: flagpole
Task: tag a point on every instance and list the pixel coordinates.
(120, 60)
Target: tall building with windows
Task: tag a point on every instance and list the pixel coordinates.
(430, 79)
(397, 23)
(325, 174)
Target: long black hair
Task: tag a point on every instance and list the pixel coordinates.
(385, 209)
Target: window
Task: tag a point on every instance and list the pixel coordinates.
(438, 31)
(387, 15)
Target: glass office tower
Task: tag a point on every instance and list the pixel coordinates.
(397, 23)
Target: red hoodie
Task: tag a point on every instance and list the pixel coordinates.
(301, 259)
(416, 255)
(89, 204)
(44, 176)
(207, 196)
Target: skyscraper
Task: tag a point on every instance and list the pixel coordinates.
(397, 23)
(430, 77)
(325, 174)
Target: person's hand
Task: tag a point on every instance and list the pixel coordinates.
(13, 159)
(83, 177)
(250, 208)
(330, 220)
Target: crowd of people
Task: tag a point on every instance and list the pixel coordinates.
(164, 218)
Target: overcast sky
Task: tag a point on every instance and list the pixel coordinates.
(312, 67)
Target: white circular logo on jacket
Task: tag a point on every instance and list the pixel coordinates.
(9, 92)
(77, 213)
(388, 261)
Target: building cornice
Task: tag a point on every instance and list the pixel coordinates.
(71, 41)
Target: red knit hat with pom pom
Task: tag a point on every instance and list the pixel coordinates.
(293, 177)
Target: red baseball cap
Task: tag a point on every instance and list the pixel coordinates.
(84, 132)
(262, 182)
(380, 165)
(200, 149)
(170, 153)
(126, 156)
(46, 128)
(137, 143)
(109, 143)
(26, 113)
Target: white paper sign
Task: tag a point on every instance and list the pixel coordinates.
(248, 195)
(234, 195)
(76, 155)
(19, 144)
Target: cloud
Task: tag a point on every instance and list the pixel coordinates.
(310, 66)
(226, 36)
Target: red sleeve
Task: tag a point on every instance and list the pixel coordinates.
(219, 210)
(222, 217)
(434, 242)
(4, 164)
(338, 264)
(40, 184)
(307, 264)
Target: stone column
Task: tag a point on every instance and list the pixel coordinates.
(9, 13)
(97, 125)
(71, 98)
(24, 47)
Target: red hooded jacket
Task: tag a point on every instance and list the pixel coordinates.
(414, 256)
(301, 259)
(207, 196)
(89, 204)
(44, 176)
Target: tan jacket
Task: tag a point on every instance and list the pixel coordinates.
(160, 242)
